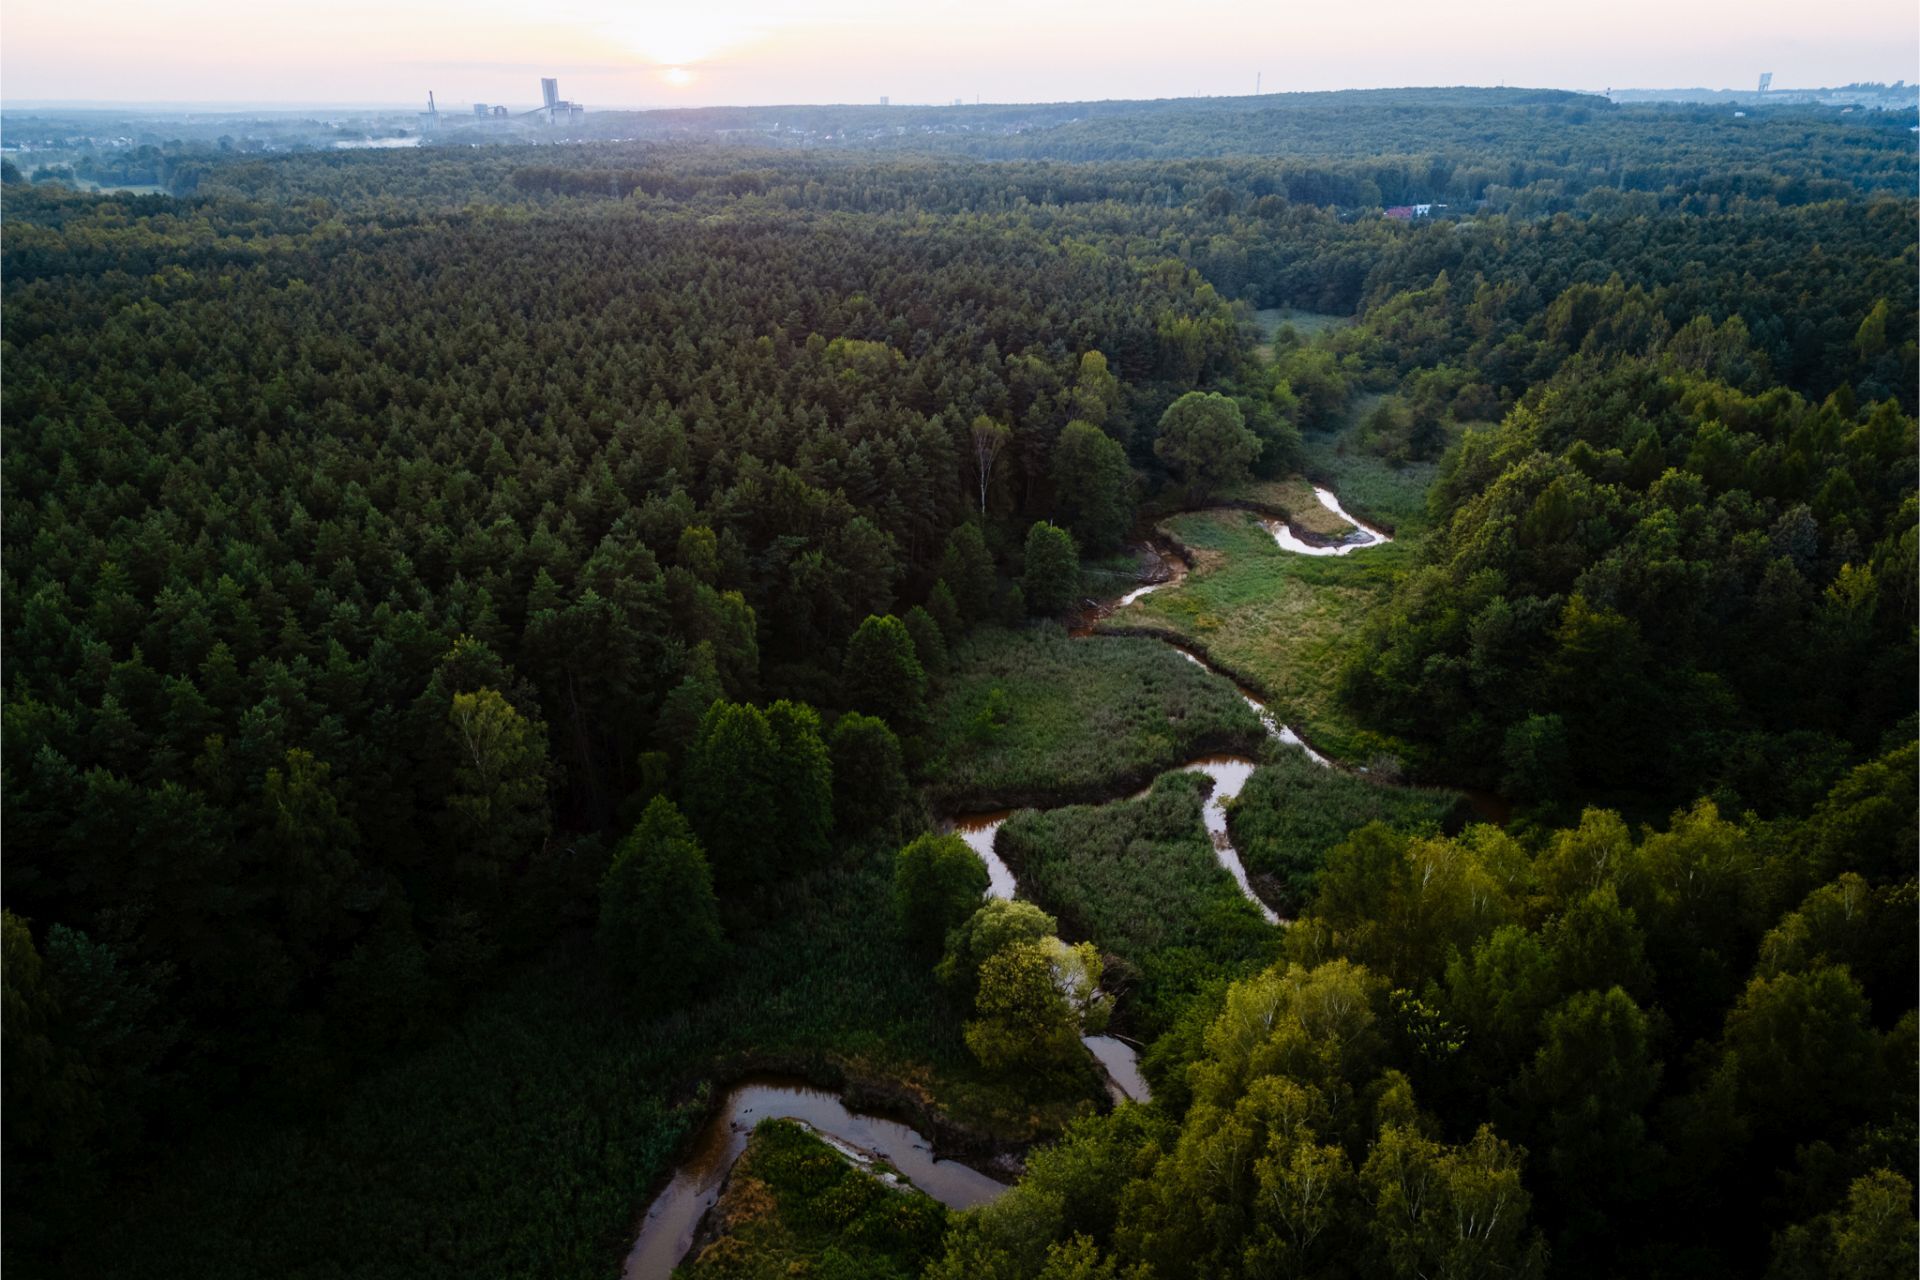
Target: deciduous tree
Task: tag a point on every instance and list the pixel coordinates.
(1205, 442)
(937, 883)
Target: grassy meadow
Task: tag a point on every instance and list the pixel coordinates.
(1294, 495)
(1393, 495)
(1034, 716)
(1309, 325)
(1283, 620)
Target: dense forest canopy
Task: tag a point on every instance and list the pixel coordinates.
(432, 578)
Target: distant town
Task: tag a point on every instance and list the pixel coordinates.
(159, 149)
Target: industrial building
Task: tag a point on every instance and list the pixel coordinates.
(553, 106)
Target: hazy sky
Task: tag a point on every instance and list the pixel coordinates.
(699, 52)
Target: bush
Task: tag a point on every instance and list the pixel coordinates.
(1204, 440)
(998, 924)
(1025, 1021)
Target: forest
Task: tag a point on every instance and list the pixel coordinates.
(505, 645)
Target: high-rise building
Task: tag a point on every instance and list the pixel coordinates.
(1766, 81)
(884, 100)
(549, 93)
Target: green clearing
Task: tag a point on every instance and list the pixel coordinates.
(1139, 879)
(1372, 488)
(1074, 719)
(526, 1139)
(120, 189)
(795, 1207)
(1284, 621)
(1308, 324)
(1293, 811)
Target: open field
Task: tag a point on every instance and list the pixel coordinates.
(1308, 324)
(1283, 620)
(1391, 495)
(1074, 719)
(540, 1121)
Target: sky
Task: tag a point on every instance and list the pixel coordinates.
(750, 52)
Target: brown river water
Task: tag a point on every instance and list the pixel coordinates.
(672, 1219)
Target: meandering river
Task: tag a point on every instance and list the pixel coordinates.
(673, 1219)
(1362, 535)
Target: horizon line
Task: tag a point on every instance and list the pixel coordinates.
(235, 105)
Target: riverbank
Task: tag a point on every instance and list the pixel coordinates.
(1280, 622)
(862, 1159)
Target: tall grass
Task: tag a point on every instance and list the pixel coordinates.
(1292, 812)
(1080, 719)
(1371, 487)
(1140, 880)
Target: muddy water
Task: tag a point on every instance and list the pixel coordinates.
(668, 1229)
(1362, 536)
(1175, 573)
(1160, 569)
(979, 830)
(1121, 1062)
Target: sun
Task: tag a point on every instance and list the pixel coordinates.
(678, 77)
(689, 34)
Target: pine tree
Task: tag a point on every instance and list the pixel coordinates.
(1093, 485)
(1052, 577)
(732, 796)
(967, 569)
(659, 919)
(869, 775)
(929, 642)
(882, 676)
(802, 774)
